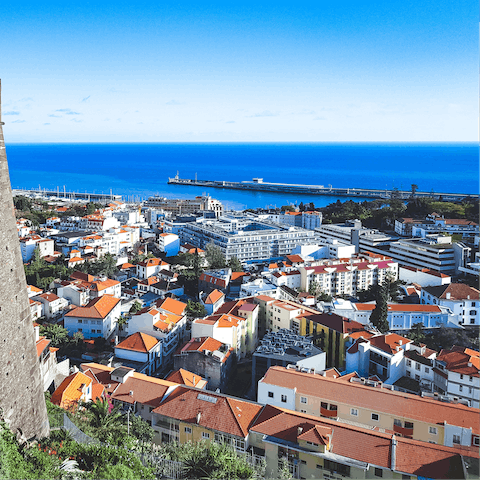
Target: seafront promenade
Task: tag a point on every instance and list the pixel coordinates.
(258, 184)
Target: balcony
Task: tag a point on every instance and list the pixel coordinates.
(379, 359)
(324, 412)
(406, 432)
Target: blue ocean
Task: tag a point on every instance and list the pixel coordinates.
(140, 170)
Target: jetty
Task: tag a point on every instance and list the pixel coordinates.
(257, 184)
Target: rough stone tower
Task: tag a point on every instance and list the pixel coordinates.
(21, 388)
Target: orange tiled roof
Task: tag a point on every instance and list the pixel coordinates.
(139, 342)
(68, 394)
(214, 297)
(99, 307)
(461, 360)
(172, 306)
(227, 415)
(389, 342)
(41, 344)
(401, 404)
(184, 377)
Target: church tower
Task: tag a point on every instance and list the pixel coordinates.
(22, 401)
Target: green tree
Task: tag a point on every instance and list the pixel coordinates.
(136, 307)
(196, 264)
(214, 256)
(416, 333)
(55, 332)
(414, 189)
(22, 203)
(301, 207)
(121, 322)
(287, 208)
(324, 297)
(195, 310)
(77, 337)
(139, 428)
(380, 312)
(235, 264)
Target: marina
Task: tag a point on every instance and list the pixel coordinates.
(257, 184)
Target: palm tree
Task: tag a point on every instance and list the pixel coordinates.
(100, 415)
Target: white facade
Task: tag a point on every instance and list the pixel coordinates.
(423, 277)
(53, 305)
(169, 243)
(151, 266)
(275, 395)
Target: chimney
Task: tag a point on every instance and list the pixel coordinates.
(299, 431)
(199, 416)
(400, 342)
(394, 452)
(448, 295)
(131, 393)
(468, 297)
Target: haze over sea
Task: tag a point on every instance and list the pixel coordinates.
(143, 169)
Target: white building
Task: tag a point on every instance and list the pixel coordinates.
(141, 351)
(400, 316)
(423, 276)
(327, 249)
(462, 365)
(151, 266)
(461, 299)
(96, 319)
(53, 306)
(29, 244)
(169, 243)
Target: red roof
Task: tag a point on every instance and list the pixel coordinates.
(389, 342)
(220, 413)
(99, 307)
(214, 297)
(138, 342)
(461, 360)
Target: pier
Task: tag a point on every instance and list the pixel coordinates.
(65, 195)
(257, 184)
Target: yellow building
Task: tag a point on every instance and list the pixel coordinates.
(313, 448)
(372, 405)
(189, 414)
(330, 332)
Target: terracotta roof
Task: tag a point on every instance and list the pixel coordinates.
(403, 307)
(214, 297)
(403, 405)
(126, 265)
(102, 285)
(238, 276)
(146, 390)
(173, 306)
(33, 288)
(41, 344)
(49, 297)
(201, 344)
(139, 342)
(457, 291)
(99, 307)
(461, 360)
(225, 414)
(152, 262)
(184, 377)
(219, 282)
(265, 298)
(69, 392)
(295, 258)
(389, 342)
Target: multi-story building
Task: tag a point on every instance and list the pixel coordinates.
(96, 319)
(370, 404)
(190, 414)
(434, 253)
(246, 237)
(151, 266)
(423, 276)
(285, 348)
(435, 224)
(462, 367)
(28, 245)
(340, 277)
(52, 305)
(185, 206)
(141, 352)
(207, 358)
(400, 316)
(460, 298)
(169, 243)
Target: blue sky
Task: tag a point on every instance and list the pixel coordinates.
(152, 71)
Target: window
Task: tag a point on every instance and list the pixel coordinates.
(284, 398)
(303, 411)
(405, 477)
(80, 330)
(375, 416)
(417, 378)
(427, 370)
(456, 439)
(476, 441)
(461, 376)
(460, 388)
(409, 425)
(303, 400)
(319, 466)
(303, 462)
(188, 430)
(205, 435)
(333, 407)
(470, 379)
(324, 405)
(354, 412)
(417, 366)
(378, 472)
(409, 363)
(397, 422)
(336, 467)
(432, 430)
(408, 374)
(270, 394)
